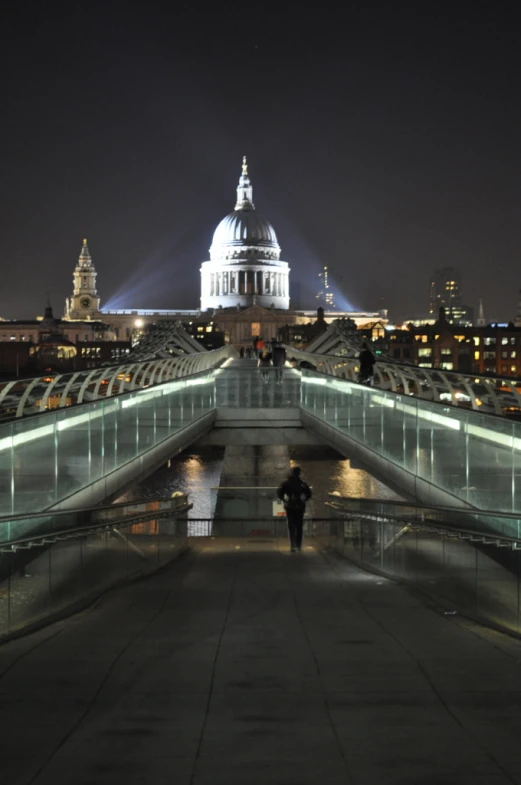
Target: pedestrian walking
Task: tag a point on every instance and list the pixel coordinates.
(264, 363)
(367, 361)
(294, 492)
(279, 360)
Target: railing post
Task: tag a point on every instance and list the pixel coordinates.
(56, 460)
(11, 557)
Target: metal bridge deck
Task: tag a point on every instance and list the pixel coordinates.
(242, 663)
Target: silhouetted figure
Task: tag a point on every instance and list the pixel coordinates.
(264, 363)
(294, 492)
(367, 361)
(279, 359)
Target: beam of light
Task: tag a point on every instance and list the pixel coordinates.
(306, 263)
(166, 278)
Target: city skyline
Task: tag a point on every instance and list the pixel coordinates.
(384, 147)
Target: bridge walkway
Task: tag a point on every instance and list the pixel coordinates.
(243, 663)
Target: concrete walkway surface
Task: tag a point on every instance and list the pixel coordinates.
(243, 663)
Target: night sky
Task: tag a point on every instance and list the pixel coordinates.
(384, 140)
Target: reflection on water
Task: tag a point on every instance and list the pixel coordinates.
(195, 472)
(190, 472)
(329, 472)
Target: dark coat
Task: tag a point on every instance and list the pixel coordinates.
(264, 360)
(366, 360)
(279, 356)
(294, 492)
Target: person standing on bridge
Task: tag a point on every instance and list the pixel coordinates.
(264, 363)
(279, 359)
(367, 362)
(294, 492)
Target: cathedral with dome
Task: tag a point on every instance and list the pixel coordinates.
(245, 291)
(245, 267)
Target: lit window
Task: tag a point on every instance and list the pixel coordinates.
(446, 352)
(504, 340)
(424, 352)
(504, 355)
(489, 341)
(476, 340)
(513, 369)
(209, 328)
(513, 354)
(200, 329)
(447, 366)
(255, 328)
(476, 355)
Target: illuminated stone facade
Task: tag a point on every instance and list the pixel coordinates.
(245, 268)
(84, 303)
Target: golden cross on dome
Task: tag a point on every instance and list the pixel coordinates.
(244, 166)
(85, 241)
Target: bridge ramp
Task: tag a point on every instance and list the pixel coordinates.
(243, 663)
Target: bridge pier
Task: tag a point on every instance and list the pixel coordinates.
(255, 469)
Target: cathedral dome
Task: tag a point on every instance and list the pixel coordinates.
(243, 228)
(244, 234)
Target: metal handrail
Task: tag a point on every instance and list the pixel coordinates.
(38, 540)
(83, 510)
(439, 527)
(23, 397)
(427, 383)
(413, 505)
(112, 397)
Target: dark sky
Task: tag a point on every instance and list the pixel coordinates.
(384, 140)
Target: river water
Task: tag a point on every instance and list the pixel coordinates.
(196, 471)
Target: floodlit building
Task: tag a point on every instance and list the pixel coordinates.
(84, 303)
(245, 289)
(245, 267)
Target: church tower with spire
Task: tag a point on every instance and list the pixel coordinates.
(84, 303)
